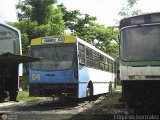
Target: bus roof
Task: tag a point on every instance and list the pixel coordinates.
(9, 26)
(141, 19)
(94, 48)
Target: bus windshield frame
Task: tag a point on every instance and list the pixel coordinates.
(140, 43)
(53, 57)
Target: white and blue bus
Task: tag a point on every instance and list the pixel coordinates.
(69, 67)
(140, 58)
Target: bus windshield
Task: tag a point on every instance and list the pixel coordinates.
(52, 57)
(140, 43)
(8, 40)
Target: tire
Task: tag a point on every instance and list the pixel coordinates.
(110, 87)
(13, 95)
(2, 98)
(89, 91)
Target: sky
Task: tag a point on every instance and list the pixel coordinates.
(106, 11)
(8, 10)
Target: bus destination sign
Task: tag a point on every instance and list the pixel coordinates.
(52, 40)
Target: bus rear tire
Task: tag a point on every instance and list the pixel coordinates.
(89, 91)
(110, 87)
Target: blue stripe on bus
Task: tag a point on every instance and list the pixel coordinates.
(51, 77)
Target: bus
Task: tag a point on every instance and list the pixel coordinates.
(10, 58)
(140, 58)
(69, 67)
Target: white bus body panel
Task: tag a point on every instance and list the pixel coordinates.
(139, 73)
(100, 80)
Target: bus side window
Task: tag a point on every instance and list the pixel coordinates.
(96, 60)
(102, 64)
(107, 65)
(89, 57)
(110, 66)
(81, 55)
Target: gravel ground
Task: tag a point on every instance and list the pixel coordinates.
(45, 109)
(105, 107)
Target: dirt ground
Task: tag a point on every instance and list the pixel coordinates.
(104, 107)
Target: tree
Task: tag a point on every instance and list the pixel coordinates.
(30, 30)
(36, 10)
(104, 38)
(75, 21)
(129, 10)
(85, 27)
(39, 18)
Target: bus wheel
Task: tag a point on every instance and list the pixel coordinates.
(13, 95)
(110, 87)
(2, 98)
(89, 91)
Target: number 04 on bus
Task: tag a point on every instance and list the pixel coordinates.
(69, 67)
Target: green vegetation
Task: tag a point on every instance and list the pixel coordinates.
(119, 88)
(23, 96)
(128, 9)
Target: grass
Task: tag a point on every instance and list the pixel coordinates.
(119, 88)
(23, 96)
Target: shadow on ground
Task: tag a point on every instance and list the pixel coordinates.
(112, 109)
